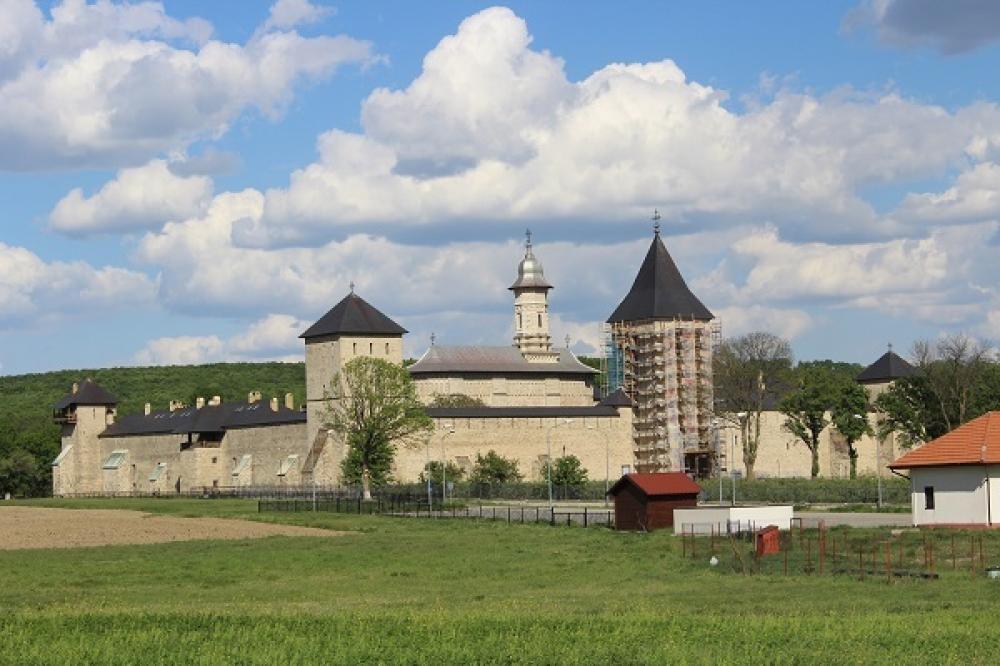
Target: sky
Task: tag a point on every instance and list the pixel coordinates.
(185, 182)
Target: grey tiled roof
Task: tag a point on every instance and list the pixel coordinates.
(353, 316)
(88, 392)
(500, 360)
(659, 291)
(219, 418)
(618, 398)
(889, 366)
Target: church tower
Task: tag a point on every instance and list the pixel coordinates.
(531, 309)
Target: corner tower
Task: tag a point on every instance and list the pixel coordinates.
(665, 337)
(352, 328)
(83, 414)
(531, 308)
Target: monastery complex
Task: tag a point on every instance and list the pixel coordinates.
(655, 413)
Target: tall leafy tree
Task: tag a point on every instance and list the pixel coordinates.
(953, 367)
(909, 410)
(849, 414)
(374, 410)
(566, 471)
(493, 468)
(805, 410)
(751, 372)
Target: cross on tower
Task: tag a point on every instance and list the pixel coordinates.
(433, 338)
(656, 222)
(352, 286)
(527, 234)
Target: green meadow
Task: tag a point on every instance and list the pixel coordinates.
(400, 590)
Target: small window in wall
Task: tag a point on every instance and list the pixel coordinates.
(371, 348)
(115, 460)
(242, 465)
(215, 460)
(287, 464)
(929, 498)
(387, 349)
(354, 348)
(626, 469)
(539, 320)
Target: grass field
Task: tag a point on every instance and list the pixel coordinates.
(413, 591)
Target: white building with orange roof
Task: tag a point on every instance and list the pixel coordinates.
(956, 477)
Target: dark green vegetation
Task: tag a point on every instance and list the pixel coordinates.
(419, 591)
(862, 490)
(29, 441)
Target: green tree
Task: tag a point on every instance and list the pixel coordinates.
(751, 372)
(433, 470)
(849, 414)
(374, 410)
(909, 410)
(455, 400)
(494, 469)
(19, 474)
(566, 471)
(805, 411)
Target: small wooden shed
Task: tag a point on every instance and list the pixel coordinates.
(647, 501)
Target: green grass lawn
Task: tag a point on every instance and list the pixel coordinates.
(417, 590)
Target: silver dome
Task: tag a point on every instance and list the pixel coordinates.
(529, 271)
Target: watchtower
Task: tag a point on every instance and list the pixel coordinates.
(84, 413)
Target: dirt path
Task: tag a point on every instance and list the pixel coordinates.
(28, 527)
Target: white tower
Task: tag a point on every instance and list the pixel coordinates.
(531, 309)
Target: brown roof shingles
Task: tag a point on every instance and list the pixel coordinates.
(974, 443)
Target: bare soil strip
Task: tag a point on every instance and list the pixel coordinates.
(29, 527)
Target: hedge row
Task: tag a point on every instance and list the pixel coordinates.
(863, 490)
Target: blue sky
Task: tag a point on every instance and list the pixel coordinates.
(188, 182)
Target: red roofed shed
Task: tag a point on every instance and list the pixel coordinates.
(647, 501)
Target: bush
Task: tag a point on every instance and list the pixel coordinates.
(862, 490)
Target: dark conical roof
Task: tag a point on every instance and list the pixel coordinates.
(88, 392)
(353, 316)
(659, 291)
(889, 366)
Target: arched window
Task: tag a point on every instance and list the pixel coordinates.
(539, 320)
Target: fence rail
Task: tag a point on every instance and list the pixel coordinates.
(407, 507)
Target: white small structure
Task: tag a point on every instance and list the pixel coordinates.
(955, 479)
(726, 519)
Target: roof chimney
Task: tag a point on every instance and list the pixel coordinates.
(274, 404)
(215, 401)
(199, 402)
(253, 396)
(76, 388)
(289, 401)
(147, 409)
(175, 405)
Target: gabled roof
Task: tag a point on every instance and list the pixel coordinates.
(889, 366)
(974, 443)
(499, 360)
(658, 484)
(210, 418)
(618, 398)
(88, 392)
(353, 316)
(659, 291)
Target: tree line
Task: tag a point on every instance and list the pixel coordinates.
(956, 379)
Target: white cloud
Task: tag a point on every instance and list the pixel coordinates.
(492, 130)
(32, 290)
(785, 322)
(287, 14)
(275, 337)
(137, 198)
(974, 196)
(107, 84)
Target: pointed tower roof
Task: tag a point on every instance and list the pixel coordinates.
(87, 392)
(659, 291)
(353, 316)
(888, 367)
(529, 271)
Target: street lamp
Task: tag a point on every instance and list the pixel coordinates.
(548, 463)
(607, 461)
(427, 475)
(718, 453)
(444, 465)
(732, 455)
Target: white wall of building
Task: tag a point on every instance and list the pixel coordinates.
(960, 495)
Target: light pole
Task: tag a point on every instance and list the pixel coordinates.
(427, 476)
(548, 462)
(444, 465)
(718, 454)
(607, 462)
(732, 455)
(878, 463)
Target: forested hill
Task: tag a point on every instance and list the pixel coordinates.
(26, 428)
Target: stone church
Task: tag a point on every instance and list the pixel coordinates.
(533, 400)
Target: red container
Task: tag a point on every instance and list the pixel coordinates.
(768, 541)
